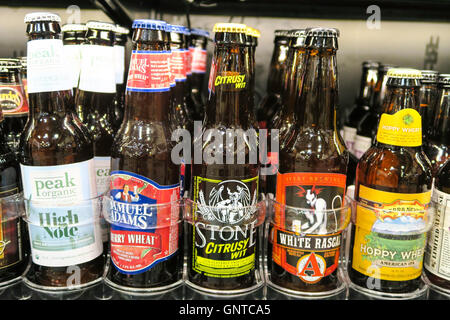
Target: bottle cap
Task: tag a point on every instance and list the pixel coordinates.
(322, 32)
(7, 64)
(386, 66)
(41, 16)
(98, 25)
(282, 33)
(404, 73)
(230, 27)
(150, 24)
(121, 30)
(297, 33)
(444, 78)
(74, 27)
(178, 29)
(200, 32)
(370, 64)
(252, 32)
(429, 76)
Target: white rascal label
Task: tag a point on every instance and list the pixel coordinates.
(349, 137)
(47, 66)
(119, 57)
(62, 214)
(97, 69)
(362, 144)
(73, 55)
(437, 253)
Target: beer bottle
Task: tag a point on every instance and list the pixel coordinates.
(278, 67)
(252, 36)
(57, 167)
(95, 101)
(312, 170)
(13, 101)
(142, 171)
(285, 116)
(393, 175)
(437, 143)
(368, 81)
(195, 108)
(428, 96)
(74, 35)
(217, 183)
(367, 127)
(199, 39)
(180, 117)
(120, 41)
(437, 250)
(12, 250)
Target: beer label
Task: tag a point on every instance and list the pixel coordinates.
(231, 79)
(437, 252)
(199, 58)
(178, 64)
(349, 137)
(62, 217)
(149, 71)
(224, 227)
(119, 59)
(11, 251)
(189, 54)
(13, 100)
(47, 66)
(314, 254)
(142, 235)
(102, 173)
(404, 128)
(381, 249)
(97, 69)
(73, 56)
(362, 144)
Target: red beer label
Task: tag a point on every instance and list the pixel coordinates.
(314, 253)
(13, 100)
(149, 71)
(199, 57)
(190, 52)
(141, 234)
(178, 64)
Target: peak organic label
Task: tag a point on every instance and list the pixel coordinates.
(12, 100)
(389, 239)
(404, 128)
(141, 234)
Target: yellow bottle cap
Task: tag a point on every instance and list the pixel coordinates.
(404, 73)
(230, 27)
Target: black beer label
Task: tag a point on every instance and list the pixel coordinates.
(224, 227)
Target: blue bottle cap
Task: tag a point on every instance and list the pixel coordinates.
(150, 24)
(200, 32)
(178, 29)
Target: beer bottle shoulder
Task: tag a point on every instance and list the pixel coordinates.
(399, 169)
(52, 139)
(436, 153)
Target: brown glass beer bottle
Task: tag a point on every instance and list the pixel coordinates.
(142, 171)
(57, 166)
(120, 41)
(428, 97)
(74, 35)
(312, 172)
(220, 183)
(437, 142)
(394, 175)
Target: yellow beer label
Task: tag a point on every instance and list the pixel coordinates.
(389, 244)
(404, 128)
(230, 77)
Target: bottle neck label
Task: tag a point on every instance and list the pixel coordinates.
(178, 64)
(47, 66)
(149, 71)
(199, 58)
(404, 128)
(73, 55)
(142, 235)
(119, 58)
(381, 249)
(97, 69)
(13, 100)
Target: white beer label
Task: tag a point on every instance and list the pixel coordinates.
(119, 58)
(97, 69)
(349, 137)
(102, 169)
(62, 215)
(73, 55)
(362, 144)
(47, 66)
(437, 253)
